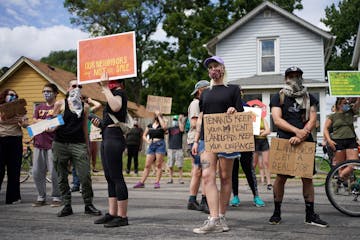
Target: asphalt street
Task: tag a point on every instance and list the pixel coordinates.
(162, 214)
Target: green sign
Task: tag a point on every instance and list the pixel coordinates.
(344, 83)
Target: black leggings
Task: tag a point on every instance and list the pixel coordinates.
(246, 161)
(112, 148)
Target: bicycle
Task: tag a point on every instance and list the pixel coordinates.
(27, 163)
(343, 192)
(322, 166)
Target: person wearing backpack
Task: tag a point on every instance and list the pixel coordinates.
(294, 113)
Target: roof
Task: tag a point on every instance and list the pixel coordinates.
(274, 81)
(356, 54)
(61, 79)
(329, 38)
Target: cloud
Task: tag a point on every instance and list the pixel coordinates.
(36, 43)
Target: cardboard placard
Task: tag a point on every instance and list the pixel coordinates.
(229, 132)
(115, 54)
(41, 126)
(157, 103)
(11, 109)
(256, 118)
(293, 160)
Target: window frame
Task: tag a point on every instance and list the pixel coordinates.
(276, 55)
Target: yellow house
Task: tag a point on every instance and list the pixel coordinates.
(28, 77)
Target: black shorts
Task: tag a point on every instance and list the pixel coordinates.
(348, 143)
(261, 145)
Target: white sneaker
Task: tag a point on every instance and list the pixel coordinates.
(224, 224)
(209, 226)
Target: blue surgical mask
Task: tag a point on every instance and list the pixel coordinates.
(10, 98)
(346, 107)
(48, 96)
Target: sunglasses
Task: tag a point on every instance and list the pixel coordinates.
(12, 94)
(47, 91)
(76, 86)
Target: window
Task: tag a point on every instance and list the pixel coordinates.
(268, 57)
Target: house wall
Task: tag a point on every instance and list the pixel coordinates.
(297, 45)
(28, 84)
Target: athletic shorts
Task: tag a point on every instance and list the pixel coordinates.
(348, 143)
(261, 145)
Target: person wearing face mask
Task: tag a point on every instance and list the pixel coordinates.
(220, 97)
(175, 151)
(43, 157)
(11, 148)
(342, 139)
(294, 113)
(71, 145)
(112, 148)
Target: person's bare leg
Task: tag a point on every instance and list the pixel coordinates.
(225, 171)
(209, 162)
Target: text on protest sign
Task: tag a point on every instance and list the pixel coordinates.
(115, 54)
(157, 103)
(228, 132)
(293, 160)
(11, 109)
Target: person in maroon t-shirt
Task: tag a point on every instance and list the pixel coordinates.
(43, 156)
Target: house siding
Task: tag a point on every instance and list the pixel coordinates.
(298, 46)
(28, 84)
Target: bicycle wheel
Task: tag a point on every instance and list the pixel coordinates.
(343, 192)
(322, 167)
(25, 171)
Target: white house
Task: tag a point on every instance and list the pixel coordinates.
(259, 47)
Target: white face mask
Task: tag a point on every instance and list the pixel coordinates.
(74, 101)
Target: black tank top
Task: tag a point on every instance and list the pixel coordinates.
(72, 131)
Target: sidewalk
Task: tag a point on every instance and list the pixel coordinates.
(162, 214)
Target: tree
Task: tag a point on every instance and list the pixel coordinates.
(343, 22)
(194, 23)
(66, 60)
(105, 17)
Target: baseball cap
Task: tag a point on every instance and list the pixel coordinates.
(200, 84)
(213, 59)
(293, 69)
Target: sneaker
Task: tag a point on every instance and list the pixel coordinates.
(95, 170)
(127, 171)
(15, 202)
(156, 185)
(275, 219)
(193, 206)
(224, 224)
(39, 203)
(314, 219)
(209, 226)
(139, 185)
(91, 209)
(269, 187)
(235, 202)
(117, 222)
(258, 202)
(55, 203)
(104, 219)
(170, 181)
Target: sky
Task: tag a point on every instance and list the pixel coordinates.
(34, 28)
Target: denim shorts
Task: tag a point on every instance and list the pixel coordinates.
(195, 157)
(158, 147)
(232, 155)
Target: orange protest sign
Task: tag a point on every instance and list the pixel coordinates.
(115, 54)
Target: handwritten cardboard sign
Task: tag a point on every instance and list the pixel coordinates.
(115, 54)
(11, 109)
(256, 113)
(228, 132)
(293, 160)
(157, 103)
(41, 126)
